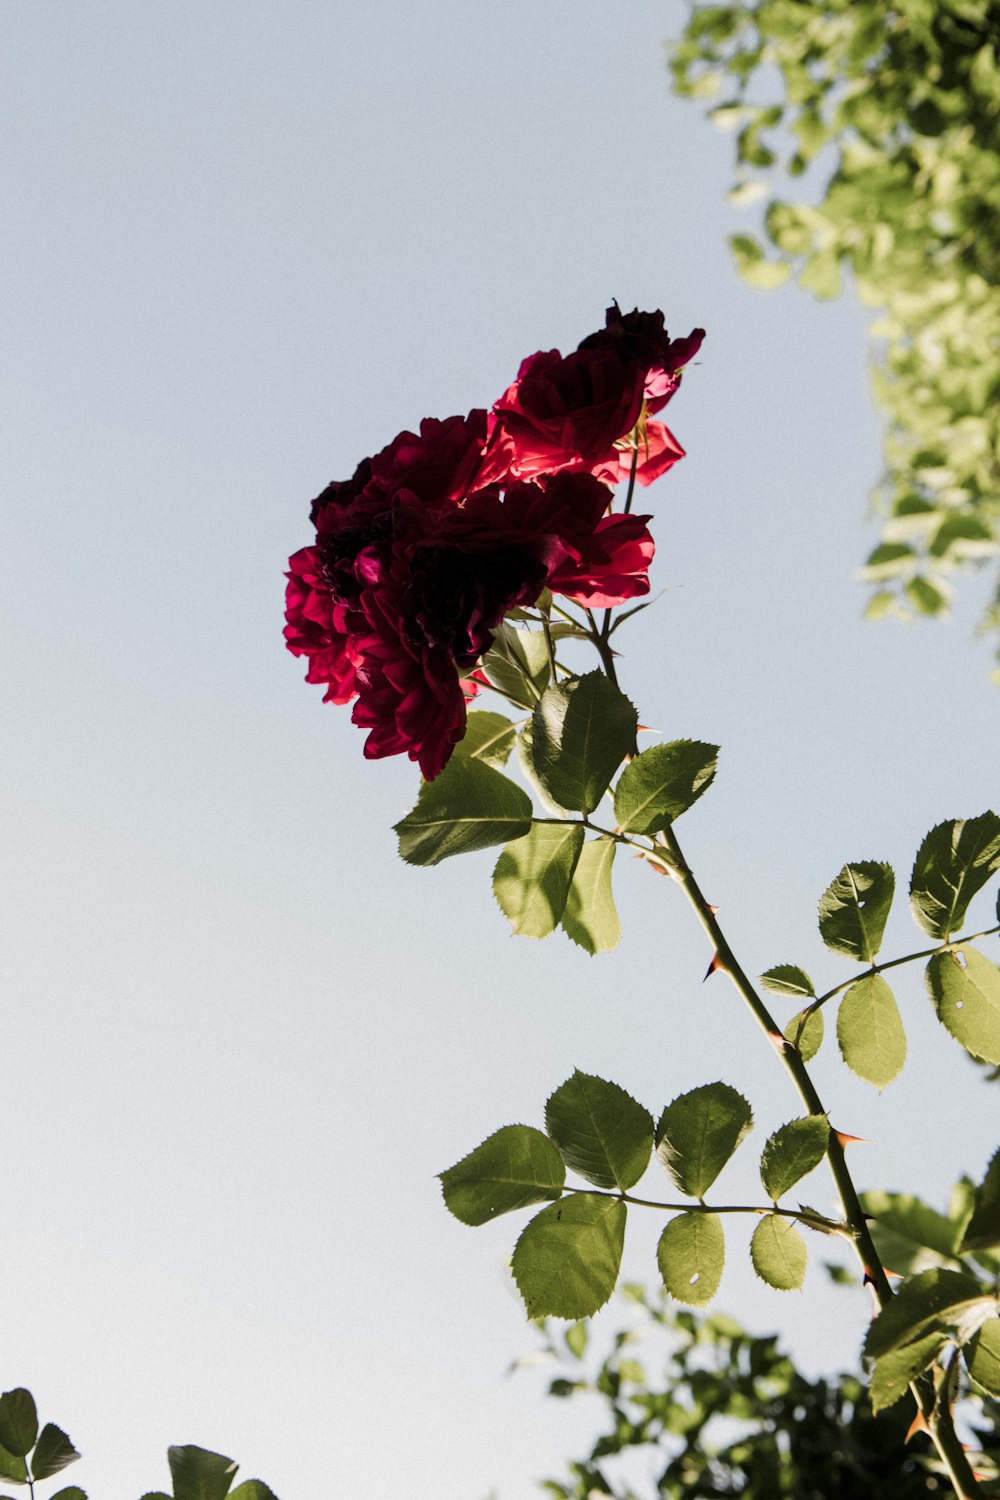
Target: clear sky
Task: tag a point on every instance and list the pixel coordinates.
(243, 246)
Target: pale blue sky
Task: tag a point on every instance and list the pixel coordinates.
(245, 244)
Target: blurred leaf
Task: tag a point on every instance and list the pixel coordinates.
(567, 1258)
(698, 1133)
(982, 1356)
(12, 1467)
(661, 783)
(909, 1236)
(854, 908)
(691, 1254)
(870, 1031)
(792, 1151)
(955, 860)
(532, 877)
(983, 1229)
(892, 1373)
(778, 1253)
(600, 1131)
(756, 271)
(965, 988)
(590, 918)
(469, 806)
(581, 732)
(252, 1489)
(514, 1167)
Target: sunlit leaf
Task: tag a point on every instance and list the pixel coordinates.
(567, 1258)
(600, 1130)
(533, 875)
(792, 1151)
(691, 1254)
(965, 988)
(469, 806)
(954, 861)
(488, 737)
(698, 1133)
(854, 908)
(514, 1167)
(811, 1039)
(983, 1229)
(778, 1253)
(590, 918)
(661, 783)
(870, 1031)
(581, 732)
(790, 980)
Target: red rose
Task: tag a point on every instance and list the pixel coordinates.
(640, 338)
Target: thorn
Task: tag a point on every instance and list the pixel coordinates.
(851, 1140)
(780, 1043)
(713, 966)
(919, 1424)
(645, 729)
(711, 908)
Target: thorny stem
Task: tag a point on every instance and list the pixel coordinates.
(937, 1416)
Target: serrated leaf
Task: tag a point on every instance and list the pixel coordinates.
(74, 1492)
(792, 1151)
(983, 1229)
(600, 1131)
(200, 1474)
(982, 1356)
(18, 1421)
(778, 1253)
(581, 732)
(891, 1375)
(870, 1031)
(909, 1235)
(515, 1166)
(954, 861)
(698, 1133)
(532, 877)
(811, 1039)
(517, 664)
(965, 988)
(567, 1258)
(691, 1254)
(591, 918)
(789, 979)
(663, 782)
(854, 907)
(252, 1489)
(488, 737)
(53, 1452)
(469, 806)
(150, 1495)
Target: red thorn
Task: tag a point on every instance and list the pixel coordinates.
(851, 1140)
(645, 729)
(919, 1424)
(711, 908)
(715, 964)
(779, 1043)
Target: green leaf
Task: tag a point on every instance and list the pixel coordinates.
(199, 1474)
(854, 907)
(983, 1229)
(517, 664)
(909, 1235)
(791, 1152)
(891, 1375)
(946, 1303)
(515, 1166)
(13, 1467)
(965, 988)
(663, 782)
(698, 1133)
(590, 918)
(982, 1356)
(925, 597)
(533, 875)
(789, 979)
(811, 1039)
(954, 861)
(53, 1452)
(567, 1258)
(778, 1253)
(74, 1492)
(488, 737)
(748, 256)
(581, 732)
(870, 1031)
(600, 1131)
(150, 1495)
(252, 1489)
(690, 1255)
(18, 1421)
(576, 1337)
(821, 275)
(469, 806)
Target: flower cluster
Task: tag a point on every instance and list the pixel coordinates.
(420, 555)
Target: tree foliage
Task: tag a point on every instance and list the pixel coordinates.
(903, 101)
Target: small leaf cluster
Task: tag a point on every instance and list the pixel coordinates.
(955, 860)
(669, 1378)
(555, 869)
(948, 1299)
(567, 1259)
(900, 100)
(28, 1455)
